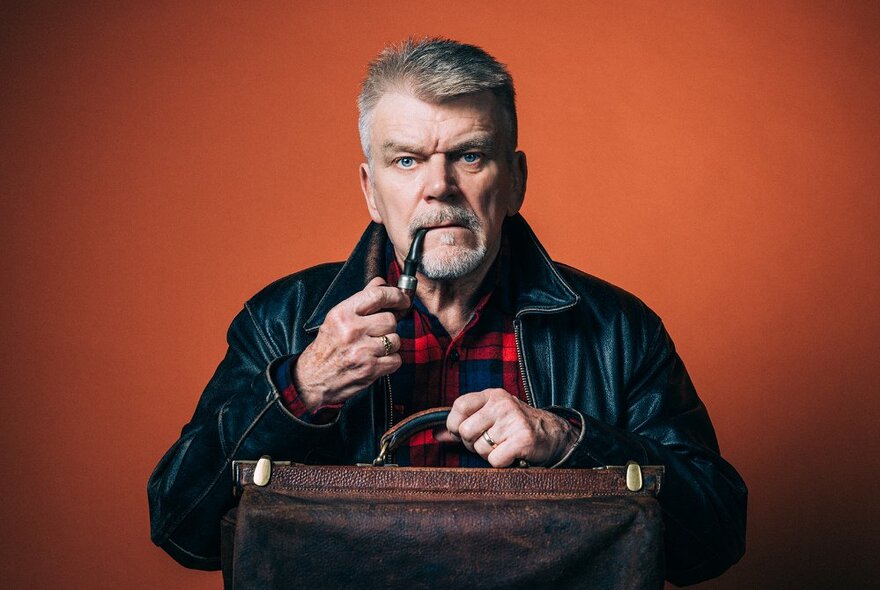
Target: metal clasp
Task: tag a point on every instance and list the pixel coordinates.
(263, 471)
(380, 460)
(633, 476)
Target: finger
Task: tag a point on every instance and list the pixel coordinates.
(473, 427)
(380, 323)
(463, 407)
(386, 365)
(393, 344)
(483, 447)
(378, 298)
(504, 454)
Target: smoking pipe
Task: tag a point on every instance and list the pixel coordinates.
(408, 282)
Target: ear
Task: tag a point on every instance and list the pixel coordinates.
(369, 193)
(519, 175)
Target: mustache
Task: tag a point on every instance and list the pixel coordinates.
(448, 215)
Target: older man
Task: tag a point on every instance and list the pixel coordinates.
(540, 362)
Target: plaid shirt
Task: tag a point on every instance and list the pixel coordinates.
(438, 368)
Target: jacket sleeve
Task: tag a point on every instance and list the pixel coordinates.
(703, 497)
(239, 416)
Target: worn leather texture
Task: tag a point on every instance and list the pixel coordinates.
(397, 536)
(315, 481)
(588, 351)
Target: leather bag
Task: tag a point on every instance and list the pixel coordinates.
(383, 526)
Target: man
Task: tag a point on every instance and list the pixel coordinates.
(539, 361)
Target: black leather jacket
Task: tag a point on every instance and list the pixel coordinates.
(585, 346)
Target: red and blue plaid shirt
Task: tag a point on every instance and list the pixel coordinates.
(437, 368)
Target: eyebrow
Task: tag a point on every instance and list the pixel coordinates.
(391, 146)
(484, 143)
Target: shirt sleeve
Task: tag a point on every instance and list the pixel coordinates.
(283, 377)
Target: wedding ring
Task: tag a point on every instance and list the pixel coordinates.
(488, 439)
(386, 342)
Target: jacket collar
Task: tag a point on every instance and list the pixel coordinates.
(536, 284)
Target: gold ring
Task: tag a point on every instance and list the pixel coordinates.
(386, 342)
(488, 439)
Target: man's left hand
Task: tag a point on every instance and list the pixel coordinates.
(502, 429)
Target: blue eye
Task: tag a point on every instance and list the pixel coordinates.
(406, 162)
(471, 158)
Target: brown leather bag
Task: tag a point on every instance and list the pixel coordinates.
(366, 526)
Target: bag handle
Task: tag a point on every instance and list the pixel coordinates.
(430, 418)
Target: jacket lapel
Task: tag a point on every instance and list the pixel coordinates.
(535, 281)
(365, 262)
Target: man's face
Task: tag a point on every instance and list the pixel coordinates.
(443, 166)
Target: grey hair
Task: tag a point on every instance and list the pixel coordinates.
(436, 70)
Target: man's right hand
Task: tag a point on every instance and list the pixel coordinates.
(349, 352)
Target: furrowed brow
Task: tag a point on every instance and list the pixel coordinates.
(393, 147)
(479, 143)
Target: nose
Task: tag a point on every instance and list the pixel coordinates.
(440, 181)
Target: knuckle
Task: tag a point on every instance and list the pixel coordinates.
(343, 326)
(335, 315)
(361, 372)
(506, 400)
(500, 400)
(466, 431)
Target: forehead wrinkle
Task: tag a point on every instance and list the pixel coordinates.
(406, 123)
(483, 142)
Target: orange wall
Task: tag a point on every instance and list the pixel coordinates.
(159, 165)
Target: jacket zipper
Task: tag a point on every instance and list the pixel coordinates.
(517, 323)
(389, 417)
(522, 362)
(389, 414)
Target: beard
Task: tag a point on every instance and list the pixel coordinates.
(454, 260)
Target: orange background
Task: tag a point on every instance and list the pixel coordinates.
(161, 164)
